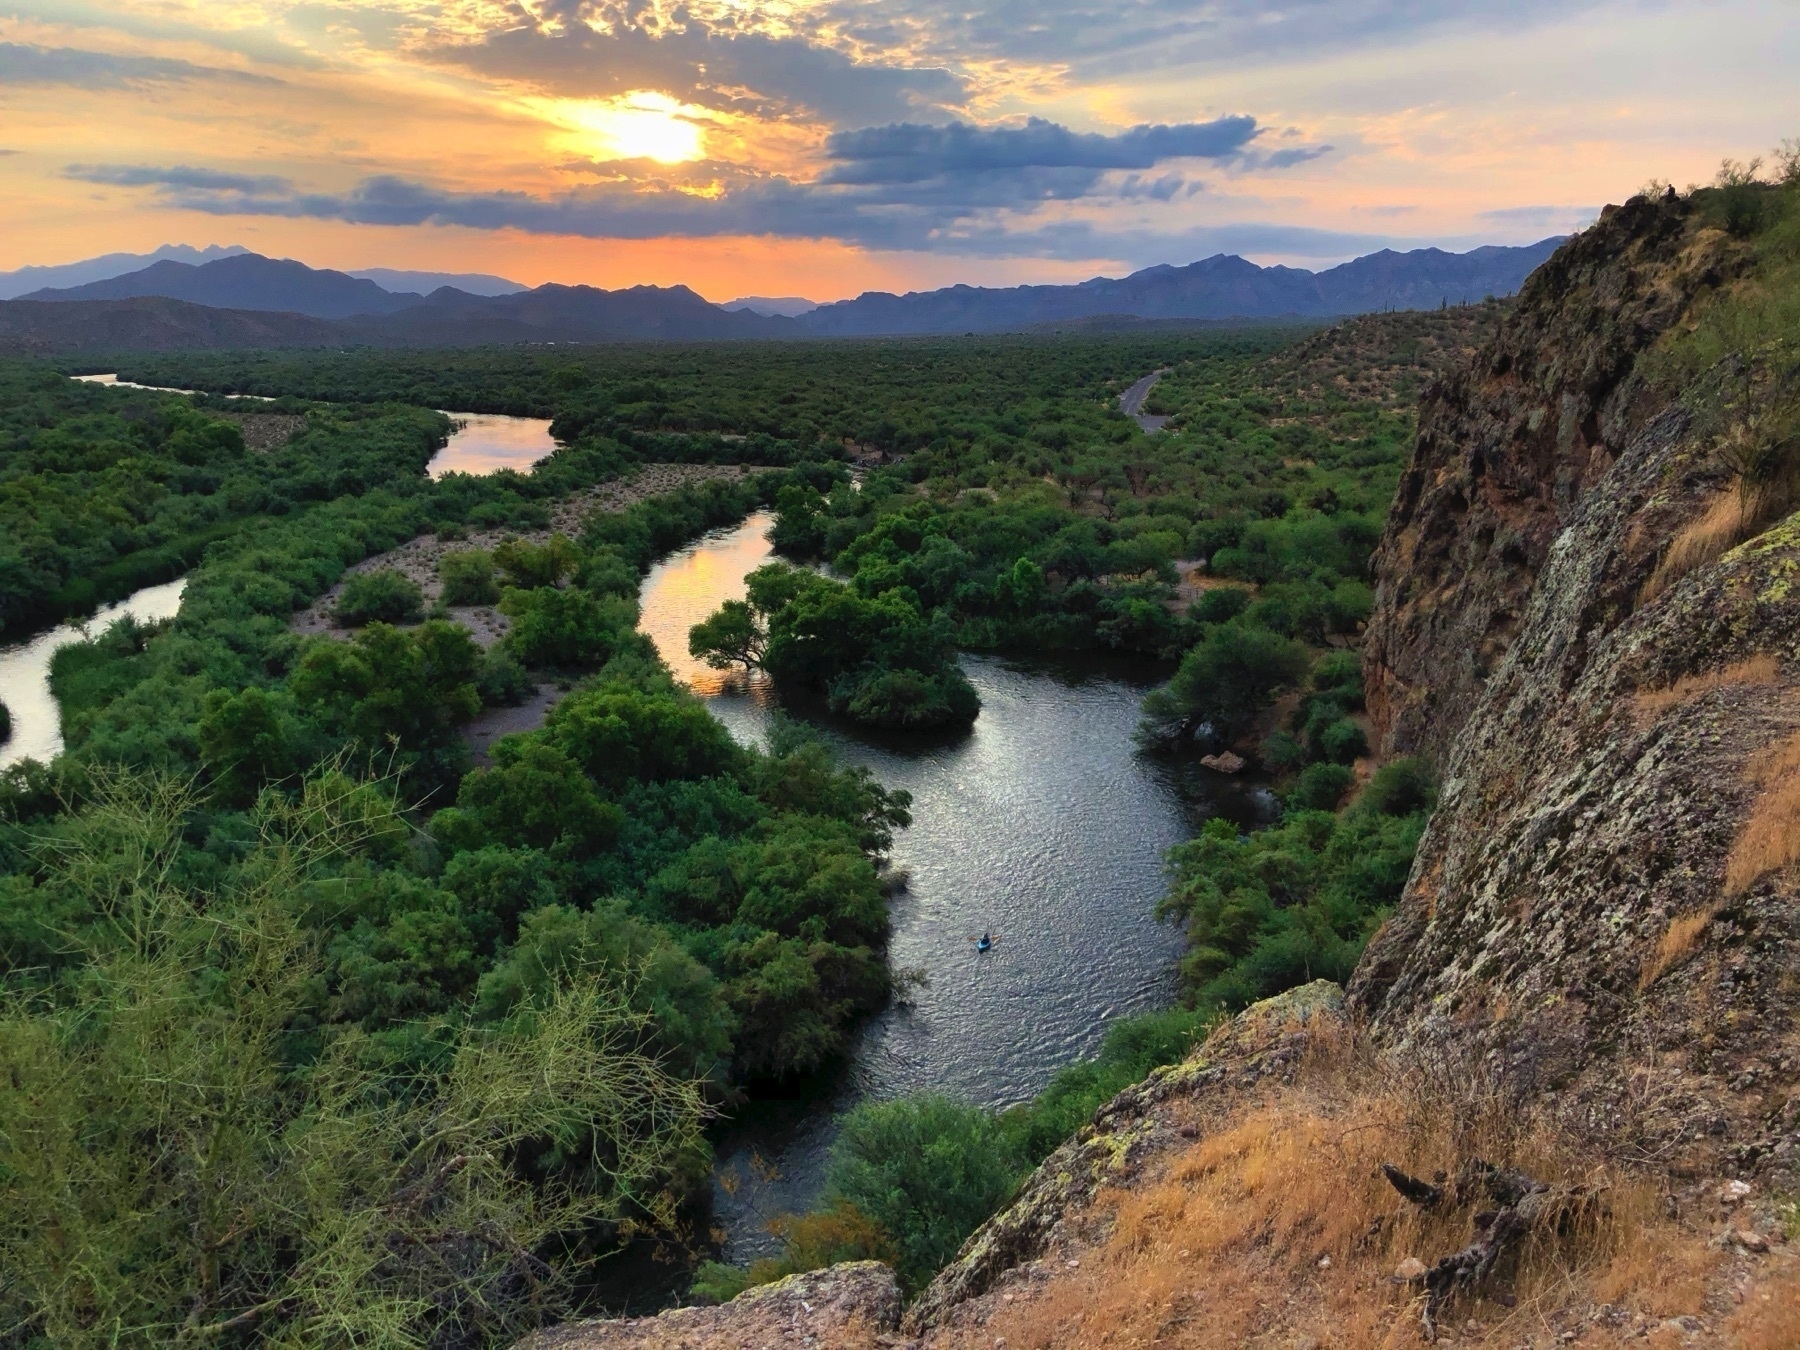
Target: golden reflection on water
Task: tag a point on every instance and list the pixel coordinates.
(688, 586)
(483, 442)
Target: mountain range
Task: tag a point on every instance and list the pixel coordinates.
(287, 303)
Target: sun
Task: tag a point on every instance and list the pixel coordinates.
(640, 125)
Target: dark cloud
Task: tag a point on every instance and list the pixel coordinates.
(713, 63)
(77, 69)
(179, 177)
(902, 186)
(906, 152)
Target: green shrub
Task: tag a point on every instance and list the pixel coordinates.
(606, 573)
(532, 566)
(567, 629)
(928, 1170)
(1320, 787)
(502, 681)
(5, 723)
(1343, 742)
(468, 578)
(1133, 1046)
(316, 1207)
(1402, 788)
(1739, 201)
(1223, 682)
(383, 596)
(1219, 604)
(813, 1241)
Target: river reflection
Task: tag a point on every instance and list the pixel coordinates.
(25, 671)
(1043, 826)
(484, 442)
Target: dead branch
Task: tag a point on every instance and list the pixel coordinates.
(1524, 1204)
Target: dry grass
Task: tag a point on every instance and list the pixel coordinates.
(1758, 670)
(1770, 839)
(1677, 942)
(1707, 537)
(1770, 1317)
(1278, 1228)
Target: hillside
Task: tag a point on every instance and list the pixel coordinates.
(151, 324)
(1575, 1042)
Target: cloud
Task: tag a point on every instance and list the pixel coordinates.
(180, 176)
(1286, 159)
(719, 60)
(77, 69)
(905, 152)
(903, 186)
(1540, 215)
(774, 207)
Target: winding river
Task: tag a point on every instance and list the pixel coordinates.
(1042, 825)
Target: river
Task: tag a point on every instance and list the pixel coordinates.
(25, 670)
(1042, 826)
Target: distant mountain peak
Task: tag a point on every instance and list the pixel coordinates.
(35, 278)
(771, 306)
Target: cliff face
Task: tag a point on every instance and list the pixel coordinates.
(1603, 907)
(1509, 445)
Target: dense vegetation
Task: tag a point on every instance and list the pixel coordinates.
(106, 490)
(469, 1016)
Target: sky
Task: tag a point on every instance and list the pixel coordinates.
(824, 147)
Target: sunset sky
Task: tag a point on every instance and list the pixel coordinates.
(825, 147)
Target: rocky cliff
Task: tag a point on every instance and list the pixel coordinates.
(1509, 446)
(1604, 905)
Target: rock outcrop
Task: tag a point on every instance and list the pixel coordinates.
(1590, 914)
(844, 1307)
(1509, 446)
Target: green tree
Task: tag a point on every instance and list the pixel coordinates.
(1224, 681)
(534, 796)
(731, 637)
(248, 739)
(567, 629)
(414, 687)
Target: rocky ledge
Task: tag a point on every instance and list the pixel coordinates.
(845, 1307)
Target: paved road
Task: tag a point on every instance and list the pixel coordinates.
(1131, 402)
